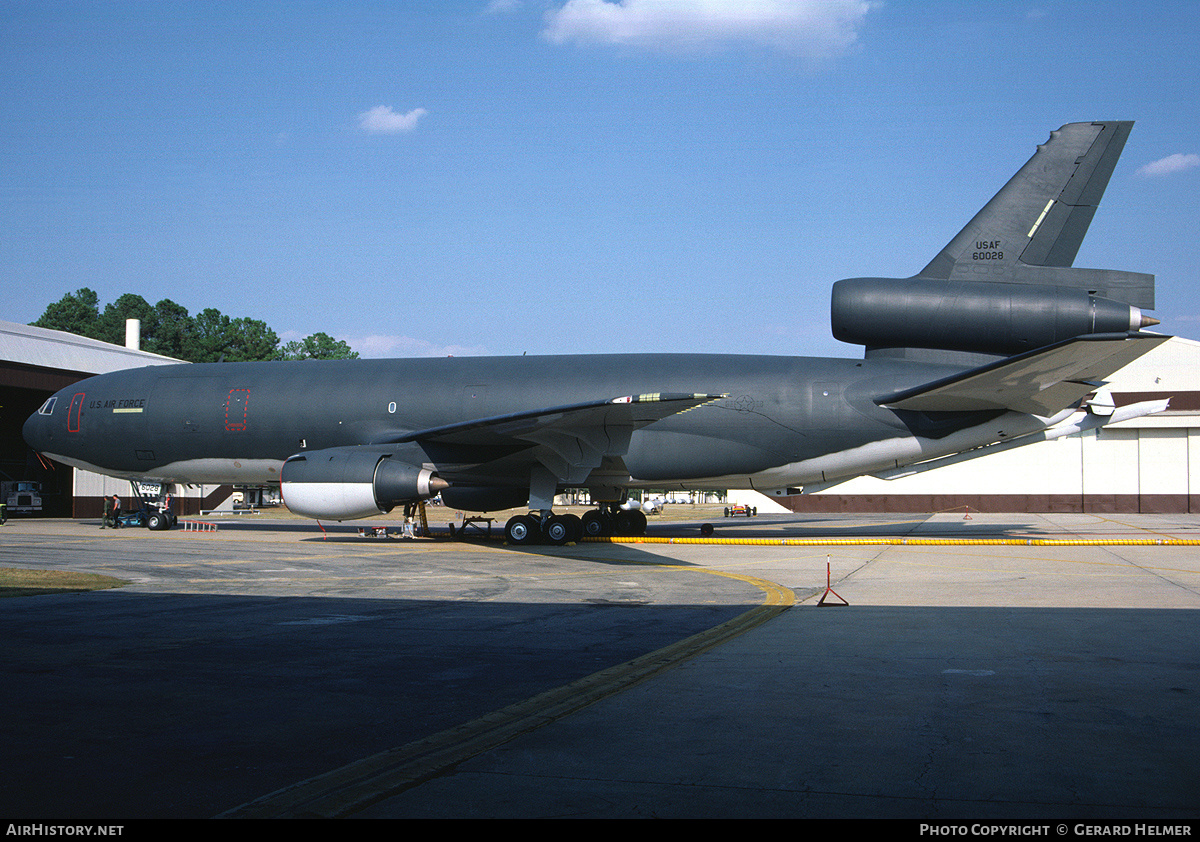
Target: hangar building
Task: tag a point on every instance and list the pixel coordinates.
(34, 364)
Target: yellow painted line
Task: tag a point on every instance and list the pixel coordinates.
(1131, 526)
(345, 791)
(910, 542)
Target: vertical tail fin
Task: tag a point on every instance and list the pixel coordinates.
(1005, 284)
(1031, 230)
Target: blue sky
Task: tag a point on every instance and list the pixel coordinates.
(475, 177)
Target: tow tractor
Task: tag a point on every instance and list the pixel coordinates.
(740, 509)
(154, 511)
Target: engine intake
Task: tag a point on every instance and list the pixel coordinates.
(345, 483)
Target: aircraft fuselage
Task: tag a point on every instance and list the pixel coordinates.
(238, 422)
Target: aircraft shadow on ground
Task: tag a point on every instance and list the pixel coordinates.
(855, 526)
(766, 531)
(882, 525)
(128, 705)
(864, 526)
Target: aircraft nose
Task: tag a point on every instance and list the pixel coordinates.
(37, 430)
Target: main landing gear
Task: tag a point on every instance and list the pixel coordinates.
(537, 529)
(549, 528)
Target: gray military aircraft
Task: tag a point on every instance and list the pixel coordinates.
(998, 342)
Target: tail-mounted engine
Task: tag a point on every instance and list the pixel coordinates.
(344, 483)
(983, 318)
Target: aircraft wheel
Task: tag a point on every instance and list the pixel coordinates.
(576, 527)
(639, 523)
(621, 523)
(596, 524)
(157, 522)
(558, 530)
(521, 530)
(629, 522)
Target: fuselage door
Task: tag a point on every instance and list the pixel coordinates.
(237, 410)
(75, 413)
(825, 408)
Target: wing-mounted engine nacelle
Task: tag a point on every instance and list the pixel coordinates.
(344, 483)
(983, 318)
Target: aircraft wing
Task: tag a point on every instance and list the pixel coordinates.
(568, 440)
(1041, 382)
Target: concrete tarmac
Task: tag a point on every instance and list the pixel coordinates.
(268, 670)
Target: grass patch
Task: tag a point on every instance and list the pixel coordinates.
(21, 582)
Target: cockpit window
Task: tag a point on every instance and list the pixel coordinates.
(48, 406)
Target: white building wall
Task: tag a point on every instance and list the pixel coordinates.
(1163, 461)
(89, 489)
(1111, 462)
(1194, 456)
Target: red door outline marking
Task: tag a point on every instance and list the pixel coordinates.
(74, 413)
(234, 421)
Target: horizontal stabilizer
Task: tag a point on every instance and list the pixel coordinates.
(1076, 423)
(1041, 382)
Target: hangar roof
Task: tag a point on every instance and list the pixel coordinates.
(59, 351)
